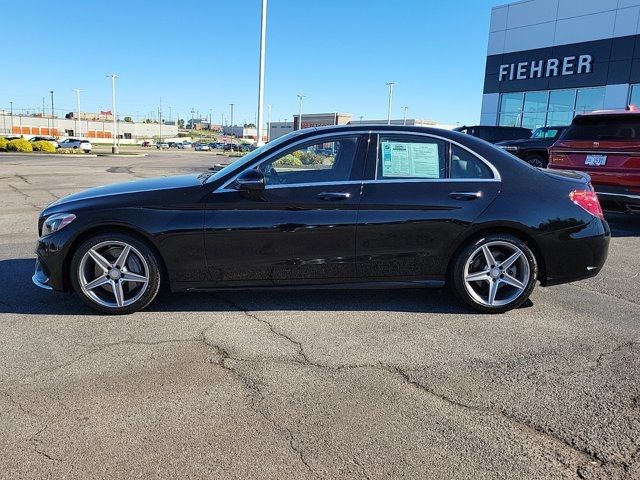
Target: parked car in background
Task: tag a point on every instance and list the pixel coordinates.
(231, 147)
(403, 205)
(494, 134)
(162, 146)
(534, 150)
(202, 147)
(147, 143)
(51, 140)
(184, 145)
(606, 145)
(76, 143)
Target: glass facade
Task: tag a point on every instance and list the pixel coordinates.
(549, 107)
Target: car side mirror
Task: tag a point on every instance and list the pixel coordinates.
(250, 180)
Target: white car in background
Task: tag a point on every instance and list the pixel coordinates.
(75, 143)
(202, 147)
(184, 145)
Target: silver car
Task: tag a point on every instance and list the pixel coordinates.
(75, 143)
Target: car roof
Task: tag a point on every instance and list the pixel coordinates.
(630, 110)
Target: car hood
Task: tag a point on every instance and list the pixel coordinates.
(132, 187)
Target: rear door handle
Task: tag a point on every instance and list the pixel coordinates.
(465, 195)
(333, 196)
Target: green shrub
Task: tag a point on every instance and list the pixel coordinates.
(69, 151)
(309, 158)
(19, 145)
(288, 161)
(3, 144)
(43, 146)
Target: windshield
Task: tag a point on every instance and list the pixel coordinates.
(545, 133)
(604, 127)
(246, 159)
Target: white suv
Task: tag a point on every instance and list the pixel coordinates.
(84, 145)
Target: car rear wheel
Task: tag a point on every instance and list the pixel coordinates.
(495, 273)
(536, 160)
(115, 273)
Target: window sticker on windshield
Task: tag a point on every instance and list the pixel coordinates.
(419, 160)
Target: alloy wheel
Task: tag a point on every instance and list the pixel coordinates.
(496, 273)
(113, 274)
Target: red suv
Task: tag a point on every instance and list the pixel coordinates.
(606, 145)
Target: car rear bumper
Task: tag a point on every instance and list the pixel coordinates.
(618, 199)
(577, 254)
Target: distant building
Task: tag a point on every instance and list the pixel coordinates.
(102, 115)
(278, 129)
(239, 131)
(321, 119)
(416, 122)
(96, 131)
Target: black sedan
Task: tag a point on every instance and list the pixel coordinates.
(380, 205)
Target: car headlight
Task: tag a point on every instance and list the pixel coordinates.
(57, 222)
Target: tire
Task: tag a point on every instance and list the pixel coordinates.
(513, 281)
(536, 160)
(98, 271)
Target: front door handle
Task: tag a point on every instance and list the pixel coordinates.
(332, 196)
(465, 195)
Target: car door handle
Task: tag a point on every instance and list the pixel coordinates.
(465, 195)
(332, 196)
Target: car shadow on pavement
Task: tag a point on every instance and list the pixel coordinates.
(623, 225)
(18, 295)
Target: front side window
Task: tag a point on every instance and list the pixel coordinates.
(410, 157)
(327, 160)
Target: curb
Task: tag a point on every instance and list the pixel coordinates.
(122, 154)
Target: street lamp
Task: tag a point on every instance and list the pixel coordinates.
(79, 119)
(263, 33)
(231, 118)
(301, 98)
(113, 77)
(404, 120)
(390, 85)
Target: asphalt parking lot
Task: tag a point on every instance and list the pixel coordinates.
(328, 384)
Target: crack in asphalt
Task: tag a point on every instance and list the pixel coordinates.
(592, 290)
(256, 396)
(38, 445)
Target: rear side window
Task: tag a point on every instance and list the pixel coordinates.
(411, 157)
(604, 127)
(466, 165)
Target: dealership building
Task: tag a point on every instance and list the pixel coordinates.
(549, 60)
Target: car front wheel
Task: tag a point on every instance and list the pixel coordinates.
(115, 273)
(495, 273)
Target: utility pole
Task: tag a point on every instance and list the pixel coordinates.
(210, 122)
(301, 99)
(390, 85)
(11, 113)
(160, 118)
(269, 124)
(404, 120)
(53, 121)
(263, 33)
(113, 77)
(79, 132)
(231, 119)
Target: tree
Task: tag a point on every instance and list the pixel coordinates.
(180, 123)
(249, 125)
(128, 119)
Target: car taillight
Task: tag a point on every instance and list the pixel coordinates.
(558, 159)
(587, 200)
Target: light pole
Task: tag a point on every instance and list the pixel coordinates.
(390, 85)
(113, 77)
(231, 118)
(404, 120)
(263, 33)
(160, 119)
(301, 98)
(193, 111)
(79, 119)
(361, 117)
(269, 124)
(11, 114)
(210, 121)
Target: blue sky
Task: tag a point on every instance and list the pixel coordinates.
(204, 55)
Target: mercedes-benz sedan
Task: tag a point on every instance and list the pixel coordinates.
(375, 205)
